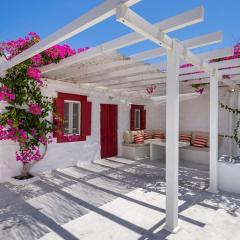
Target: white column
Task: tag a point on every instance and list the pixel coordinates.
(213, 165)
(172, 135)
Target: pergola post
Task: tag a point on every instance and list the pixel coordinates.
(172, 135)
(213, 167)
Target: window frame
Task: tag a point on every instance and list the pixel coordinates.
(142, 119)
(70, 117)
(137, 126)
(62, 138)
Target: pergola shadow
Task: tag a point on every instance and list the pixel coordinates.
(36, 206)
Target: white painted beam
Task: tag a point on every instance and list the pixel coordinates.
(217, 65)
(137, 70)
(130, 19)
(204, 56)
(129, 79)
(213, 162)
(162, 79)
(230, 71)
(171, 24)
(172, 138)
(197, 42)
(91, 18)
(140, 25)
(96, 70)
(190, 43)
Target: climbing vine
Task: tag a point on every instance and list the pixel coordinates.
(235, 111)
(25, 118)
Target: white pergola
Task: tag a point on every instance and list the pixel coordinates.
(102, 67)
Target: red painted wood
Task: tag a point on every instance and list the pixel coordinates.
(143, 119)
(143, 116)
(132, 118)
(73, 97)
(86, 110)
(86, 118)
(109, 126)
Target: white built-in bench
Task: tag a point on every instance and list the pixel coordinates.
(194, 154)
(140, 151)
(136, 151)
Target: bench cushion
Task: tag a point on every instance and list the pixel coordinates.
(200, 134)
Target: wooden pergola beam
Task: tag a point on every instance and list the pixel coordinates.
(171, 24)
(197, 42)
(91, 18)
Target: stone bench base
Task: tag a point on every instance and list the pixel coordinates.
(136, 151)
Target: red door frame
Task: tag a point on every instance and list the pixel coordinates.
(109, 130)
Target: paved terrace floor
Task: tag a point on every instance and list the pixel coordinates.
(116, 199)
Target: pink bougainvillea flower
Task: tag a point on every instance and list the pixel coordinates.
(23, 134)
(37, 60)
(26, 155)
(82, 49)
(13, 129)
(33, 132)
(43, 140)
(35, 109)
(34, 73)
(6, 94)
(200, 90)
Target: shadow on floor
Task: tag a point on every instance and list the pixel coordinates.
(31, 211)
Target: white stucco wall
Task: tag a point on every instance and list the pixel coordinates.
(60, 155)
(194, 116)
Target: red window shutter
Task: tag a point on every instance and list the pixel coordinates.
(143, 119)
(59, 106)
(132, 118)
(86, 118)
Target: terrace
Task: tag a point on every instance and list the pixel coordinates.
(95, 91)
(116, 198)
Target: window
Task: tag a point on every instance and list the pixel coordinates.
(72, 118)
(76, 112)
(137, 118)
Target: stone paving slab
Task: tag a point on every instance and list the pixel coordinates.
(117, 199)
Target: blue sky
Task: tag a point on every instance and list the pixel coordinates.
(46, 16)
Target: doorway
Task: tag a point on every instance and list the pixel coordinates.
(109, 130)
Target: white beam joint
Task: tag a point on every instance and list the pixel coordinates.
(140, 25)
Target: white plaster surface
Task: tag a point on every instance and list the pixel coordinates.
(194, 115)
(229, 177)
(61, 155)
(116, 199)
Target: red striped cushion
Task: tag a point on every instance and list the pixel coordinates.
(200, 142)
(147, 135)
(185, 138)
(138, 138)
(159, 135)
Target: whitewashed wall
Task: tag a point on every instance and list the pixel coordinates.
(61, 155)
(194, 116)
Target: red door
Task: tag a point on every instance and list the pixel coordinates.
(109, 125)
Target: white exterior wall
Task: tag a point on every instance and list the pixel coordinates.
(194, 116)
(60, 155)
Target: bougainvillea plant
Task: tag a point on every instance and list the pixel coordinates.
(199, 88)
(25, 119)
(150, 89)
